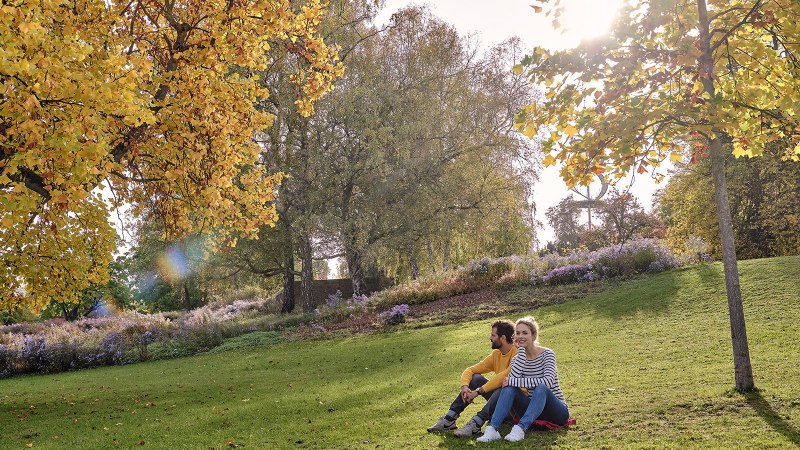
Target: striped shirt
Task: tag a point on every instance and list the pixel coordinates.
(528, 373)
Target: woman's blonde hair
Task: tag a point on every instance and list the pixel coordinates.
(531, 323)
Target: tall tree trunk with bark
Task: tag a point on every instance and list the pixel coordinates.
(306, 274)
(287, 305)
(355, 269)
(741, 353)
(412, 260)
(446, 256)
(431, 261)
(185, 298)
(352, 251)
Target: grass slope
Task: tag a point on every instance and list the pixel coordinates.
(646, 364)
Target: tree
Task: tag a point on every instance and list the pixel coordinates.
(115, 294)
(167, 274)
(563, 219)
(764, 207)
(624, 218)
(299, 147)
(423, 138)
(700, 77)
(153, 100)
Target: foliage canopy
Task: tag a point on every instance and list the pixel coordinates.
(151, 100)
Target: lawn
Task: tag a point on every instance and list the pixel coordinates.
(644, 364)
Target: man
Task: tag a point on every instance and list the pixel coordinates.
(473, 383)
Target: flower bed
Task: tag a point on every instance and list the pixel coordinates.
(57, 345)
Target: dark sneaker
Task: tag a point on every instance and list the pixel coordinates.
(468, 430)
(442, 425)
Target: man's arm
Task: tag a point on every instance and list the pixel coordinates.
(485, 366)
(496, 381)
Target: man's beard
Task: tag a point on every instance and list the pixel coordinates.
(495, 345)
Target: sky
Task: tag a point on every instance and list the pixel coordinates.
(492, 22)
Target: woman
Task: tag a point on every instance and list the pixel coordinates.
(533, 368)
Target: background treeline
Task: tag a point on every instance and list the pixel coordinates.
(412, 167)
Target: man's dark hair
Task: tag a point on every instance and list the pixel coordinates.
(505, 328)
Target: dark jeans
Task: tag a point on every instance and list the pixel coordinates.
(485, 413)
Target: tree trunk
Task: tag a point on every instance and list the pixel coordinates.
(352, 252)
(431, 262)
(287, 305)
(446, 256)
(187, 300)
(355, 270)
(741, 354)
(306, 275)
(412, 261)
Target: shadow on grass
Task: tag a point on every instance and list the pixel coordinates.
(655, 293)
(773, 419)
(534, 439)
(651, 294)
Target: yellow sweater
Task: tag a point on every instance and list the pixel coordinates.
(496, 362)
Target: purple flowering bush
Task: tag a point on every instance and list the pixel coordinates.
(573, 273)
(631, 258)
(57, 345)
(581, 265)
(336, 310)
(396, 315)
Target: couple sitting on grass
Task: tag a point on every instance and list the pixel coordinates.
(525, 385)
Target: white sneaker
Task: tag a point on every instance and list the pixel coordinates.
(490, 435)
(517, 434)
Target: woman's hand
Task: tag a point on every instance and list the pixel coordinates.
(505, 381)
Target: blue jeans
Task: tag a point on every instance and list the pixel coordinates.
(491, 399)
(542, 404)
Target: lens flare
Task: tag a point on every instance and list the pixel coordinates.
(172, 265)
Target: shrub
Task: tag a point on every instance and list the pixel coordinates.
(201, 338)
(332, 300)
(336, 310)
(573, 273)
(113, 349)
(8, 359)
(489, 269)
(396, 315)
(34, 354)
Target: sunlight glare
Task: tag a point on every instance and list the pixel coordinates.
(585, 19)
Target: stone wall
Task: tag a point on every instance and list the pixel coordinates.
(323, 288)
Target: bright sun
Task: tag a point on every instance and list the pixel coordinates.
(583, 19)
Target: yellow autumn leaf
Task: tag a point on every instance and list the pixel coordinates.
(739, 151)
(529, 131)
(549, 161)
(675, 157)
(517, 69)
(570, 130)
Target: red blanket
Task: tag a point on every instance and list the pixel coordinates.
(543, 424)
(551, 425)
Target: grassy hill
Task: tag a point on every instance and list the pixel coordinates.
(645, 364)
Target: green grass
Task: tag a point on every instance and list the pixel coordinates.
(645, 364)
